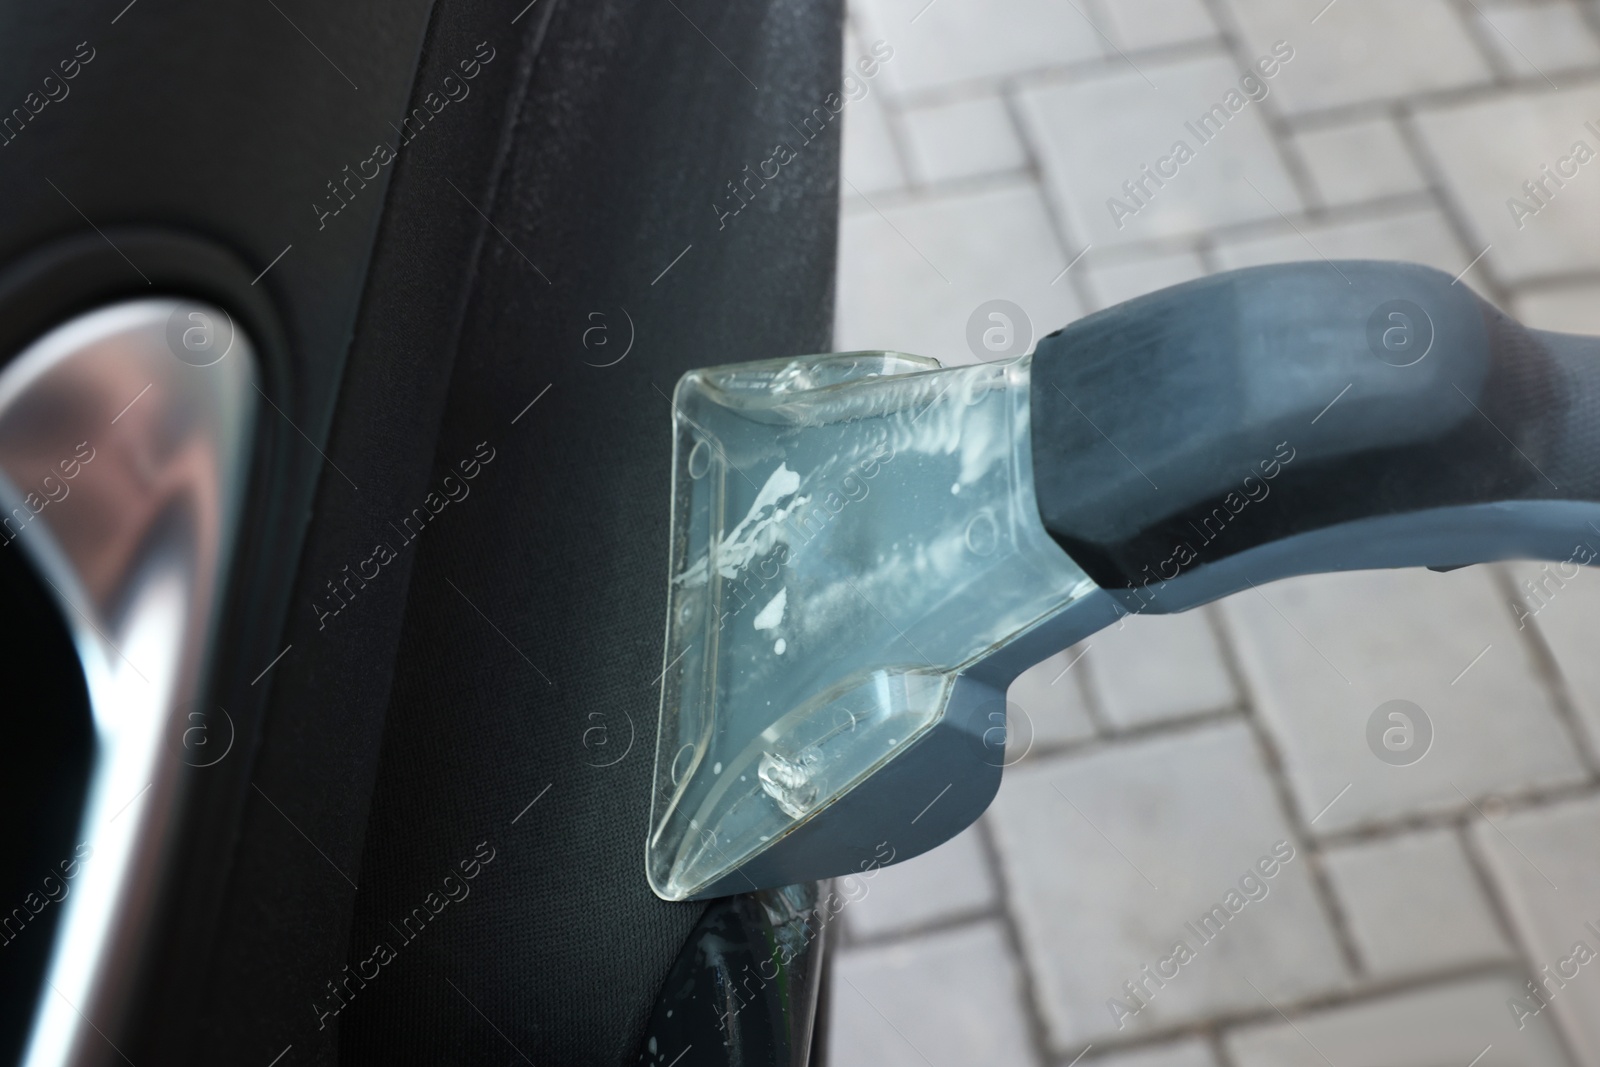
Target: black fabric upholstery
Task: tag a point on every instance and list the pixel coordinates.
(180, 152)
(533, 621)
(287, 918)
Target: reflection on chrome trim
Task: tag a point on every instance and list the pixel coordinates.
(124, 447)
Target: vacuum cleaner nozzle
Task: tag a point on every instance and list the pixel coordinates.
(850, 533)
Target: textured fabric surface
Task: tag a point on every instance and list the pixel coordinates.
(287, 918)
(533, 626)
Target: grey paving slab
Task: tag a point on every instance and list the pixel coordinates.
(1323, 654)
(1050, 698)
(1561, 601)
(1416, 236)
(1138, 24)
(1184, 804)
(962, 139)
(1359, 162)
(1191, 1053)
(912, 277)
(1093, 136)
(1565, 309)
(950, 881)
(1113, 282)
(950, 999)
(1538, 40)
(1157, 668)
(943, 42)
(1112, 855)
(1486, 151)
(1455, 1024)
(1414, 905)
(869, 159)
(1355, 51)
(1547, 865)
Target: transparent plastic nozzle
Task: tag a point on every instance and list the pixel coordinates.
(849, 532)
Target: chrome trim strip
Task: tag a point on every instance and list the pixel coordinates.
(148, 404)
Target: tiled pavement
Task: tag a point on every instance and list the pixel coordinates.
(1178, 760)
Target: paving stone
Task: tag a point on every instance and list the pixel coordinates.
(940, 42)
(1050, 695)
(1323, 653)
(1093, 136)
(950, 881)
(1364, 161)
(1192, 1053)
(1154, 668)
(1416, 236)
(962, 139)
(1447, 1024)
(1358, 50)
(869, 160)
(1561, 601)
(1545, 863)
(1175, 803)
(993, 244)
(950, 999)
(1569, 309)
(1486, 151)
(1413, 905)
(1118, 281)
(1136, 24)
(1535, 40)
(1185, 816)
